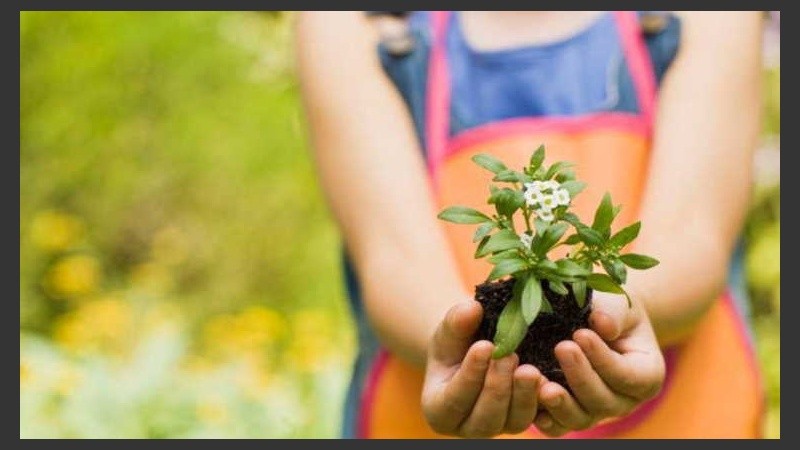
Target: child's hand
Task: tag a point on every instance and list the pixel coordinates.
(468, 394)
(611, 369)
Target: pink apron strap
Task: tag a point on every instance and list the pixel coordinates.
(639, 62)
(437, 106)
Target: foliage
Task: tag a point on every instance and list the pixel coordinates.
(164, 177)
(542, 195)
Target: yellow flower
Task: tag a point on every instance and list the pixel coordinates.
(764, 258)
(212, 412)
(216, 332)
(67, 381)
(74, 276)
(313, 321)
(257, 380)
(108, 316)
(162, 313)
(314, 340)
(246, 333)
(151, 277)
(98, 325)
(262, 324)
(71, 333)
(310, 352)
(54, 230)
(25, 375)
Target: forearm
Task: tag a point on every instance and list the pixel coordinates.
(407, 289)
(701, 168)
(690, 277)
(373, 176)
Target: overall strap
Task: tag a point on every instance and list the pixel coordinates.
(437, 103)
(639, 62)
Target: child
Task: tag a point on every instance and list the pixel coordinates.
(392, 132)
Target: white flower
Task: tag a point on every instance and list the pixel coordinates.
(531, 197)
(536, 185)
(548, 202)
(534, 197)
(526, 240)
(562, 197)
(551, 184)
(546, 215)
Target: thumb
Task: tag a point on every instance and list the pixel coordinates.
(610, 316)
(453, 336)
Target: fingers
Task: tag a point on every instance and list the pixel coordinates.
(548, 426)
(454, 334)
(488, 416)
(523, 399)
(589, 389)
(610, 315)
(638, 374)
(563, 408)
(447, 402)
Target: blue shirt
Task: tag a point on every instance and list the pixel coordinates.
(565, 77)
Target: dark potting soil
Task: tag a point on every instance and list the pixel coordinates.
(546, 331)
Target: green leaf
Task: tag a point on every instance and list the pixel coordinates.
(507, 201)
(511, 329)
(616, 269)
(570, 269)
(603, 215)
(540, 225)
(547, 265)
(507, 175)
(572, 219)
(558, 287)
(546, 306)
(531, 298)
(525, 178)
(502, 240)
(537, 158)
(542, 243)
(479, 250)
(579, 289)
(557, 167)
(462, 214)
(617, 209)
(640, 262)
(604, 283)
(483, 230)
(573, 187)
(489, 163)
(565, 176)
(507, 267)
(505, 254)
(572, 240)
(590, 236)
(626, 235)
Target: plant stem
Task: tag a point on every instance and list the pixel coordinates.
(527, 214)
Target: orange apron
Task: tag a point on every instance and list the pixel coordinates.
(713, 387)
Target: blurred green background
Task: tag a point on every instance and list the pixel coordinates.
(179, 272)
